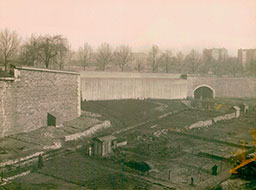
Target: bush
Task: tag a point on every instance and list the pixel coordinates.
(141, 166)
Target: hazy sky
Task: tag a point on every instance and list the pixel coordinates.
(175, 24)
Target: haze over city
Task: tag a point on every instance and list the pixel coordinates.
(174, 24)
(127, 94)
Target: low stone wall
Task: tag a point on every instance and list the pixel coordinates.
(224, 117)
(201, 124)
(9, 179)
(209, 122)
(92, 130)
(55, 146)
(10, 162)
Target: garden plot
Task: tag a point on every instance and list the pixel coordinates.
(154, 141)
(41, 136)
(41, 182)
(125, 113)
(47, 136)
(160, 127)
(179, 173)
(203, 164)
(232, 131)
(11, 149)
(184, 119)
(81, 124)
(91, 173)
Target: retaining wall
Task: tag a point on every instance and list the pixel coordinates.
(26, 98)
(109, 86)
(224, 86)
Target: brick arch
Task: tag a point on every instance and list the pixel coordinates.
(204, 85)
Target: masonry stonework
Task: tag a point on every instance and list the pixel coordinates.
(26, 99)
(224, 86)
(111, 86)
(116, 85)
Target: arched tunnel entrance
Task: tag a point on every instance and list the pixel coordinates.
(204, 92)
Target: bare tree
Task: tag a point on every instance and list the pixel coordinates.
(139, 65)
(209, 63)
(9, 42)
(63, 55)
(139, 61)
(85, 55)
(233, 67)
(123, 56)
(103, 55)
(50, 46)
(193, 60)
(30, 51)
(69, 57)
(179, 60)
(167, 59)
(154, 57)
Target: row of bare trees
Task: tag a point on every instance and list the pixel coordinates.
(34, 51)
(103, 56)
(53, 51)
(193, 63)
(173, 63)
(123, 57)
(45, 50)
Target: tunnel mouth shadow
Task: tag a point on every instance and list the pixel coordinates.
(203, 92)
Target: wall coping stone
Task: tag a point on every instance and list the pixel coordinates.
(191, 76)
(128, 75)
(47, 70)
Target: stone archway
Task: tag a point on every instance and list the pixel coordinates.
(203, 92)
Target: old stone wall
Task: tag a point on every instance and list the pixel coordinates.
(224, 86)
(131, 86)
(25, 100)
(7, 105)
(116, 85)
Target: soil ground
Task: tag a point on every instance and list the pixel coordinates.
(155, 135)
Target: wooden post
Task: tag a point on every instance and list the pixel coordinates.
(192, 181)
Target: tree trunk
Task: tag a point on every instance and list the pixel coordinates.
(61, 66)
(46, 63)
(5, 64)
(138, 68)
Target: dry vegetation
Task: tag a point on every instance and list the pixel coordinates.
(154, 142)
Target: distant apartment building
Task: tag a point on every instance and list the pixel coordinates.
(246, 56)
(218, 54)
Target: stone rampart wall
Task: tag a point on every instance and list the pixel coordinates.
(26, 99)
(225, 86)
(137, 86)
